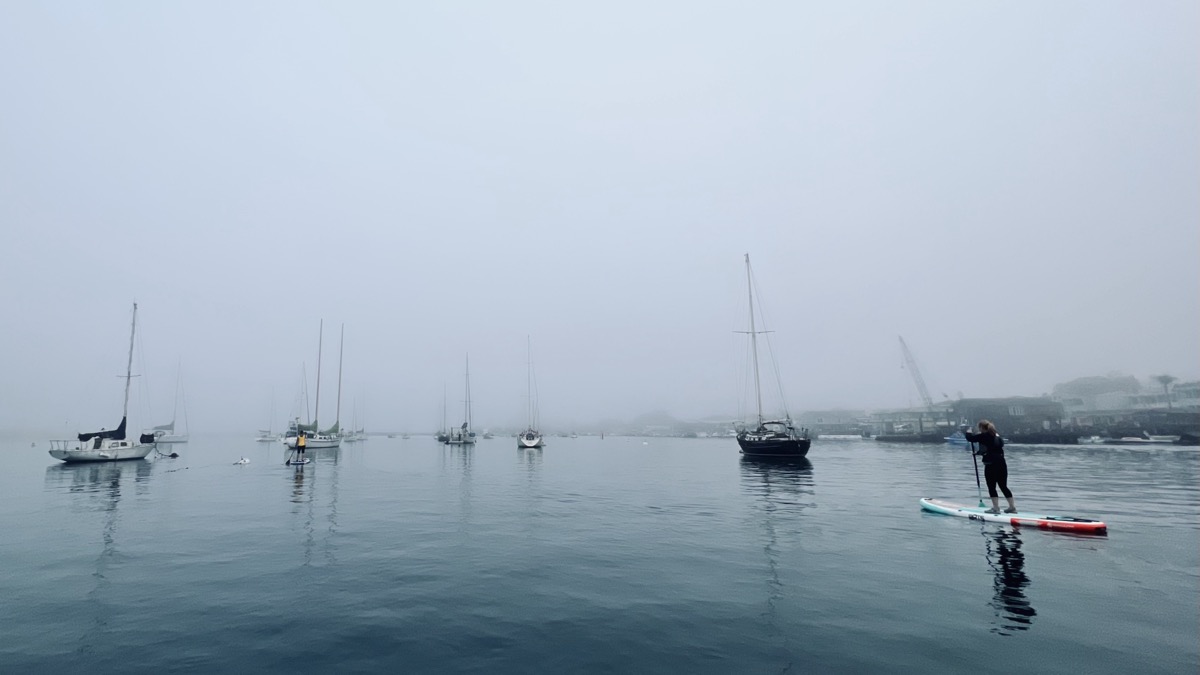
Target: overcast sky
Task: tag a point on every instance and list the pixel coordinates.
(1013, 187)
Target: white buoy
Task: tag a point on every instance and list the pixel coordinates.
(242, 461)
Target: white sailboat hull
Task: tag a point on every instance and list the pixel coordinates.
(315, 442)
(530, 441)
(109, 451)
(171, 438)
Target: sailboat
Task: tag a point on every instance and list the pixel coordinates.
(464, 435)
(443, 434)
(357, 433)
(267, 435)
(314, 437)
(165, 433)
(769, 438)
(107, 445)
(531, 437)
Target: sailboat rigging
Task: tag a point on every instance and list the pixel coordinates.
(532, 436)
(107, 445)
(266, 435)
(165, 433)
(315, 438)
(464, 435)
(444, 433)
(769, 438)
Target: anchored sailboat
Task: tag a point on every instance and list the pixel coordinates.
(464, 435)
(267, 435)
(165, 433)
(443, 435)
(769, 438)
(314, 437)
(531, 437)
(107, 445)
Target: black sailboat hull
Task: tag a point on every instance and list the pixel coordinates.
(774, 447)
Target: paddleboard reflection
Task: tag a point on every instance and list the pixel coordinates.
(1013, 609)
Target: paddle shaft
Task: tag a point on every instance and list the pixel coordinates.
(975, 463)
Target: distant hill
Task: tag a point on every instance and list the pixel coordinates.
(1097, 385)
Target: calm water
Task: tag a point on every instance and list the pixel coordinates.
(617, 555)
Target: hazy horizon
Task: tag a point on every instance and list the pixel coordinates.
(1014, 189)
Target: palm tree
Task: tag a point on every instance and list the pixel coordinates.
(1165, 381)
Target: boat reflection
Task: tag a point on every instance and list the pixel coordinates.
(1004, 556)
(781, 488)
(98, 487)
(314, 495)
(297, 480)
(101, 478)
(782, 483)
(530, 457)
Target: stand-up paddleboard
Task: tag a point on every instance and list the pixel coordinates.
(294, 462)
(1067, 523)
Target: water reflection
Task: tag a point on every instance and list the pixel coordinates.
(465, 455)
(782, 489)
(782, 484)
(531, 458)
(1004, 556)
(297, 482)
(309, 484)
(100, 478)
(99, 486)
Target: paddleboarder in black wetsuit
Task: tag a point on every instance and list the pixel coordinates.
(995, 469)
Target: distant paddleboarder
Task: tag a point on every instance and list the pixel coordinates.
(995, 469)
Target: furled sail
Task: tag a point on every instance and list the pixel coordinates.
(117, 434)
(308, 428)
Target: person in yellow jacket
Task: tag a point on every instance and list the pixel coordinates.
(301, 443)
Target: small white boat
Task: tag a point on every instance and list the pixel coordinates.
(99, 450)
(1142, 440)
(957, 438)
(315, 441)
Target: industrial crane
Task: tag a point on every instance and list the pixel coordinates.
(916, 375)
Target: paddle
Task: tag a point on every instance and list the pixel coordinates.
(978, 488)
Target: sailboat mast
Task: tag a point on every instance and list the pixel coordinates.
(338, 415)
(529, 381)
(129, 364)
(754, 341)
(320, 342)
(468, 403)
(175, 412)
